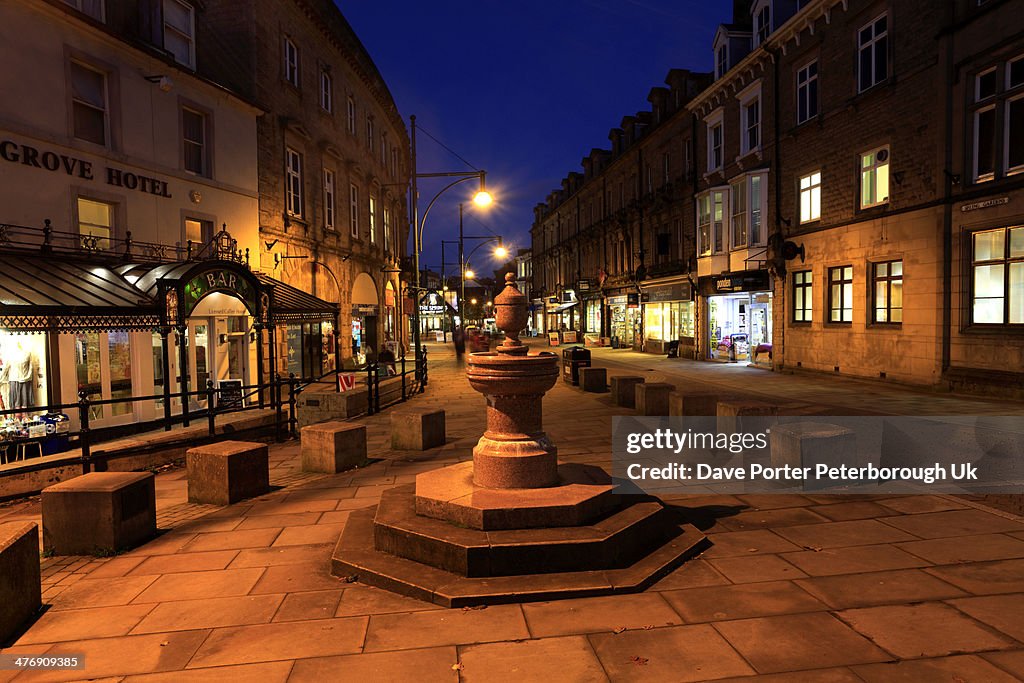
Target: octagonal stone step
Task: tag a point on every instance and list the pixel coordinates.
(356, 559)
(616, 540)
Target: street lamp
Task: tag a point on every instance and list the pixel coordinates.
(481, 198)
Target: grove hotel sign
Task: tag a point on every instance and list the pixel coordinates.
(46, 160)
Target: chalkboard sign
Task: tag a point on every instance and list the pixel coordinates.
(229, 393)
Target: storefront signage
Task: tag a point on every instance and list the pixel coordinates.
(27, 155)
(633, 300)
(219, 280)
(985, 204)
(583, 285)
(616, 300)
(229, 393)
(748, 281)
(364, 309)
(680, 291)
(432, 304)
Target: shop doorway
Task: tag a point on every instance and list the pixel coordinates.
(103, 368)
(740, 327)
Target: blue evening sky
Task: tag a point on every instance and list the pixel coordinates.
(523, 90)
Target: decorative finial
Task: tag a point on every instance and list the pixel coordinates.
(510, 313)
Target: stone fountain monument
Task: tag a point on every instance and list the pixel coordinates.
(513, 524)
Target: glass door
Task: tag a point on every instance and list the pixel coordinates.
(198, 361)
(103, 367)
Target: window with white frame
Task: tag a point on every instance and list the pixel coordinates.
(387, 229)
(716, 141)
(353, 210)
(750, 118)
(803, 296)
(749, 205)
(326, 91)
(180, 32)
(807, 92)
(372, 222)
(329, 204)
(840, 294)
(350, 113)
(89, 103)
(873, 53)
(874, 177)
(293, 183)
(739, 213)
(758, 196)
(393, 170)
(997, 121)
(719, 201)
(887, 292)
(291, 62)
(95, 222)
(810, 197)
(997, 276)
(92, 8)
(721, 61)
(762, 25)
(704, 224)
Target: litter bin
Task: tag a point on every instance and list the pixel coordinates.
(573, 359)
(58, 429)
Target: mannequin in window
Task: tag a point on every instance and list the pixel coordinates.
(21, 373)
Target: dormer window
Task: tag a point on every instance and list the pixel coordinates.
(179, 32)
(763, 24)
(721, 61)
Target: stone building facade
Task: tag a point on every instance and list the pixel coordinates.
(333, 156)
(855, 195)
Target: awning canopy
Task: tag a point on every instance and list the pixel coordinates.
(560, 308)
(291, 304)
(49, 293)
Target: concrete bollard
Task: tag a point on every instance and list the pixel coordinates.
(226, 472)
(652, 398)
(732, 411)
(21, 586)
(806, 444)
(594, 380)
(417, 429)
(333, 447)
(692, 404)
(99, 513)
(624, 390)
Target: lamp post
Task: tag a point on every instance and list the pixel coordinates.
(464, 271)
(481, 198)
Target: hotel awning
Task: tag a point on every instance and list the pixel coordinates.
(60, 294)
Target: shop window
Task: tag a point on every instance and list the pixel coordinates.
(22, 371)
(95, 223)
(803, 296)
(89, 103)
(840, 294)
(887, 292)
(326, 91)
(194, 141)
(120, 370)
(179, 32)
(997, 278)
(873, 53)
(810, 197)
(807, 92)
(874, 177)
(293, 183)
(291, 62)
(329, 208)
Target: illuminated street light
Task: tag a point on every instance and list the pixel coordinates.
(473, 301)
(483, 198)
(501, 252)
(470, 274)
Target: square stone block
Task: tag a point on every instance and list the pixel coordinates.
(417, 429)
(652, 398)
(333, 446)
(20, 587)
(806, 444)
(693, 404)
(99, 513)
(226, 472)
(594, 380)
(732, 411)
(624, 390)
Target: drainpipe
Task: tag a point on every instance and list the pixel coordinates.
(947, 207)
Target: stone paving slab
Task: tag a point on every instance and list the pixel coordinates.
(794, 587)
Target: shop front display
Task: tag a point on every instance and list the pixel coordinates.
(739, 323)
(625, 321)
(669, 318)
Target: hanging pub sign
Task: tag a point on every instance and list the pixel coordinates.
(432, 304)
(219, 280)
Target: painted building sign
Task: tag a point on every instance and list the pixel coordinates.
(219, 280)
